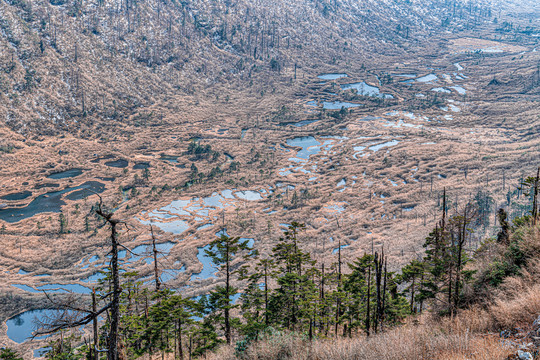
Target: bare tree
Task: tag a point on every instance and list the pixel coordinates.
(72, 315)
(112, 351)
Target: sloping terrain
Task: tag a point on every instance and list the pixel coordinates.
(68, 63)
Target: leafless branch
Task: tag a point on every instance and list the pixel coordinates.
(67, 323)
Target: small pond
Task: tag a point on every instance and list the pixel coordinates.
(310, 146)
(87, 189)
(333, 76)
(17, 196)
(65, 174)
(362, 88)
(248, 195)
(335, 251)
(460, 90)
(209, 269)
(141, 165)
(120, 163)
(20, 327)
(441, 90)
(49, 202)
(377, 147)
(337, 105)
(427, 78)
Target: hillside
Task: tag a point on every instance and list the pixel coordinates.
(68, 65)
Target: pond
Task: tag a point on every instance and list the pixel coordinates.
(41, 352)
(408, 76)
(300, 123)
(337, 105)
(441, 90)
(146, 252)
(227, 194)
(215, 200)
(120, 163)
(358, 151)
(362, 88)
(169, 158)
(460, 90)
(285, 171)
(141, 165)
(335, 251)
(377, 147)
(175, 217)
(248, 195)
(66, 174)
(205, 226)
(427, 78)
(20, 327)
(337, 208)
(87, 189)
(310, 146)
(209, 269)
(17, 196)
(170, 274)
(49, 202)
(333, 76)
(94, 278)
(174, 227)
(64, 288)
(454, 108)
(90, 261)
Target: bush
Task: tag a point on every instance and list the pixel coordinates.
(8, 354)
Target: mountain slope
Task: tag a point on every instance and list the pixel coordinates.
(63, 63)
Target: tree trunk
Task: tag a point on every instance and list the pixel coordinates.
(95, 353)
(112, 353)
(368, 301)
(535, 198)
(180, 348)
(227, 289)
(156, 270)
(266, 320)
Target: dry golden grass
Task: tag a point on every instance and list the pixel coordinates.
(409, 342)
(521, 309)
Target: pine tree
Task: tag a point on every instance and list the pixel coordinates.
(412, 275)
(255, 298)
(170, 317)
(291, 301)
(223, 252)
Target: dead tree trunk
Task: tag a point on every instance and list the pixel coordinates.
(95, 353)
(156, 270)
(112, 351)
(535, 198)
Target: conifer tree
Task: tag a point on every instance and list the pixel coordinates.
(223, 252)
